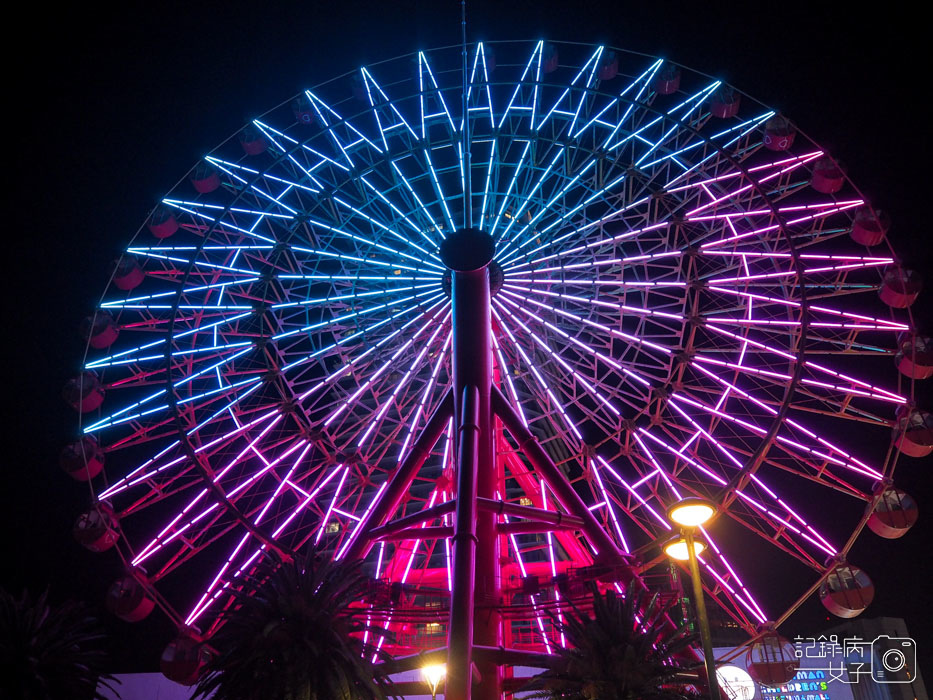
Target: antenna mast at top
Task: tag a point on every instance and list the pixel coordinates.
(465, 129)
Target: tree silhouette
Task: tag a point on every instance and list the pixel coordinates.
(50, 652)
(627, 650)
(295, 634)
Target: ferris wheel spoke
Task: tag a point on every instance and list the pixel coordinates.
(336, 320)
(792, 445)
(423, 408)
(585, 77)
(171, 530)
(531, 73)
(764, 301)
(623, 372)
(616, 527)
(593, 301)
(853, 463)
(780, 524)
(212, 523)
(386, 114)
(813, 394)
(479, 79)
(505, 196)
(503, 369)
(738, 601)
(143, 408)
(686, 106)
(522, 199)
(513, 540)
(180, 359)
(360, 334)
(844, 393)
(643, 504)
(752, 183)
(744, 592)
(587, 385)
(834, 375)
(599, 243)
(218, 585)
(153, 466)
(204, 264)
(739, 465)
(244, 186)
(744, 178)
(320, 301)
(342, 133)
(374, 377)
(197, 211)
(603, 328)
(613, 215)
(126, 357)
(552, 399)
(716, 143)
(617, 283)
(642, 83)
(431, 98)
(386, 229)
(393, 399)
(438, 189)
(547, 206)
(689, 107)
(744, 598)
(420, 230)
(774, 277)
(321, 163)
(365, 262)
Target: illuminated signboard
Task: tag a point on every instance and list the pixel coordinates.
(812, 682)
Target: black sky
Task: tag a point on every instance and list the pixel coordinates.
(107, 110)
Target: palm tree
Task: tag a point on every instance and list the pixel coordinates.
(49, 652)
(294, 634)
(627, 650)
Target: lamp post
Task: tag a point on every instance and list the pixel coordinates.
(433, 675)
(689, 514)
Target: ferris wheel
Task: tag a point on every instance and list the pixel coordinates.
(687, 297)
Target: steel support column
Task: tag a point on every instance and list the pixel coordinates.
(476, 595)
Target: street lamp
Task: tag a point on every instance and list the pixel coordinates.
(689, 514)
(433, 675)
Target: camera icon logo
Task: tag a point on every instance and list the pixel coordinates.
(893, 659)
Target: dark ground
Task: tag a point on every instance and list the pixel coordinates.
(106, 110)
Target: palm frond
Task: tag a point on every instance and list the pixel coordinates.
(49, 652)
(294, 633)
(628, 649)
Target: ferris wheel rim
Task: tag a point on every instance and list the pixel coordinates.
(765, 447)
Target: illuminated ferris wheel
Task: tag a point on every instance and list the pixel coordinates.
(681, 299)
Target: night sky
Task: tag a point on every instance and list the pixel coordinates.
(108, 110)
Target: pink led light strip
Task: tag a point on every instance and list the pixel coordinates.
(807, 363)
(615, 306)
(745, 597)
(204, 604)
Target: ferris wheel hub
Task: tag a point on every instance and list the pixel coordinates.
(467, 249)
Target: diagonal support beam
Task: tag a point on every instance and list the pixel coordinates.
(607, 554)
(398, 486)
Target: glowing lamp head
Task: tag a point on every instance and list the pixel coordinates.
(433, 675)
(691, 512)
(677, 548)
